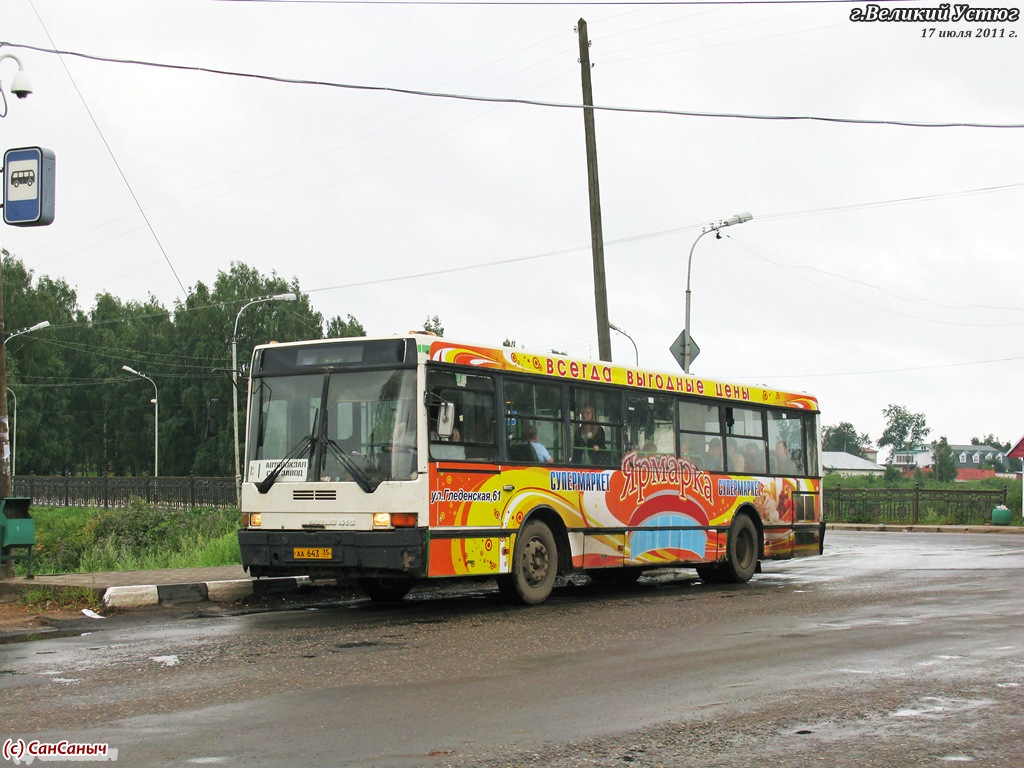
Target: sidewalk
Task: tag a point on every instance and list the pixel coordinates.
(230, 583)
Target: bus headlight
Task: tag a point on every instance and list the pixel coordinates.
(382, 520)
(252, 520)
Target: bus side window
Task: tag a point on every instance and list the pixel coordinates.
(471, 397)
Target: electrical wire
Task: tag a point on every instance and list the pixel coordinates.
(527, 102)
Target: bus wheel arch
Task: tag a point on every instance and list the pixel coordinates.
(540, 553)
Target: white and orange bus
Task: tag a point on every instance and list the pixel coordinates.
(389, 460)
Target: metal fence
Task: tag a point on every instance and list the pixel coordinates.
(109, 492)
(911, 506)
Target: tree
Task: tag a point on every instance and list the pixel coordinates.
(843, 438)
(433, 325)
(903, 429)
(945, 462)
(340, 329)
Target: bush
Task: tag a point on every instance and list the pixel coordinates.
(139, 537)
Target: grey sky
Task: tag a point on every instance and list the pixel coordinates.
(916, 303)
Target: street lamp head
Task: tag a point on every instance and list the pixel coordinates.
(614, 327)
(285, 297)
(40, 326)
(739, 218)
(130, 370)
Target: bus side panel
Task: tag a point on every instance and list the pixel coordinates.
(656, 511)
(466, 507)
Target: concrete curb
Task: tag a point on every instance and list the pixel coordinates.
(207, 591)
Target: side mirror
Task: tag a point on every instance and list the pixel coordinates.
(445, 420)
(211, 418)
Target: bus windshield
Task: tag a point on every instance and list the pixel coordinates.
(355, 426)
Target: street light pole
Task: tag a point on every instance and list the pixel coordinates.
(156, 419)
(234, 381)
(14, 437)
(739, 218)
(7, 471)
(636, 352)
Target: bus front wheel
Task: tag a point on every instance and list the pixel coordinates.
(534, 566)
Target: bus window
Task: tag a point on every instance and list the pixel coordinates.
(538, 405)
(785, 444)
(650, 430)
(472, 396)
(701, 434)
(745, 446)
(596, 428)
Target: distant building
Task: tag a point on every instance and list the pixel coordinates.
(848, 465)
(973, 462)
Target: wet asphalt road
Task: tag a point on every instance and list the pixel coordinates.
(894, 649)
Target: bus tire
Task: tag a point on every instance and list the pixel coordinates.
(742, 549)
(384, 590)
(534, 566)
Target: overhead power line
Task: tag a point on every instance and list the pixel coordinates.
(523, 102)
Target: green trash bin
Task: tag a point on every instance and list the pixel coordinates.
(17, 531)
(1001, 515)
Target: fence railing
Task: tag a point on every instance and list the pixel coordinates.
(911, 506)
(115, 492)
(908, 506)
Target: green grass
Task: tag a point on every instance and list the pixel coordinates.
(49, 597)
(139, 537)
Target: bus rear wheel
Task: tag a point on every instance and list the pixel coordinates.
(385, 590)
(534, 566)
(742, 549)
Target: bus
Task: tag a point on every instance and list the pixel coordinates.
(386, 461)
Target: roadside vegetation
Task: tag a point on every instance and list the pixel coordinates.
(47, 597)
(139, 537)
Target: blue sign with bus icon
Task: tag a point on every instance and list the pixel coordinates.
(29, 175)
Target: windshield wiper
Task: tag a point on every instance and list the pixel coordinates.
(353, 469)
(305, 444)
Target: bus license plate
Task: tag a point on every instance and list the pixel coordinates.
(313, 553)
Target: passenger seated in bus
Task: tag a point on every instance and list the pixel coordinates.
(588, 440)
(737, 462)
(713, 455)
(754, 458)
(538, 448)
(782, 463)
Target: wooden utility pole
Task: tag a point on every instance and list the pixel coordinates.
(6, 568)
(604, 334)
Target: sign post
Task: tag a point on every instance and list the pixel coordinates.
(29, 175)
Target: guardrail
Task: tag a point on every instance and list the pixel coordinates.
(911, 506)
(106, 492)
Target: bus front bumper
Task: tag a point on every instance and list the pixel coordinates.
(399, 552)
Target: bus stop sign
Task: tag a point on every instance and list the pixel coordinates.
(28, 186)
